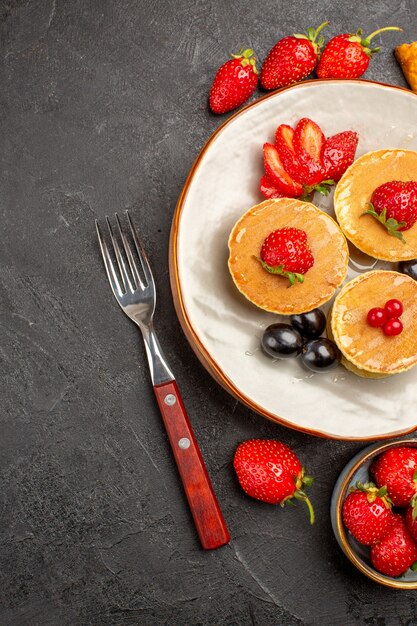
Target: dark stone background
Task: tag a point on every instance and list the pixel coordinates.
(104, 107)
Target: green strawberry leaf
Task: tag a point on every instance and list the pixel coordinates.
(414, 566)
(293, 277)
(323, 187)
(300, 495)
(391, 224)
(413, 504)
(308, 481)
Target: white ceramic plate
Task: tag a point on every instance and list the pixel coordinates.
(221, 325)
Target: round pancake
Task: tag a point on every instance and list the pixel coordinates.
(352, 196)
(272, 292)
(368, 348)
(344, 361)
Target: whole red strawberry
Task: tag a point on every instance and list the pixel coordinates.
(348, 55)
(234, 83)
(397, 470)
(338, 153)
(394, 205)
(285, 251)
(269, 470)
(367, 512)
(396, 551)
(291, 59)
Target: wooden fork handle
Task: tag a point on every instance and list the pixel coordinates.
(208, 518)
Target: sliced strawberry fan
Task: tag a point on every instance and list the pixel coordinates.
(303, 161)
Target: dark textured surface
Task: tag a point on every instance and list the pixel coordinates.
(103, 108)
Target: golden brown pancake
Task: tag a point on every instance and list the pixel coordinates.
(368, 348)
(344, 361)
(352, 196)
(272, 292)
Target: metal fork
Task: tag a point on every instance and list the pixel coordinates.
(133, 286)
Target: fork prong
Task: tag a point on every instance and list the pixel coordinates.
(141, 252)
(129, 255)
(127, 283)
(108, 264)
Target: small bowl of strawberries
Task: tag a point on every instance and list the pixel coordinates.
(374, 512)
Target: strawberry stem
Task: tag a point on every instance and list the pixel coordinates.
(247, 57)
(312, 37)
(318, 29)
(367, 39)
(372, 492)
(300, 495)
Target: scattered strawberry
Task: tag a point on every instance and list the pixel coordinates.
(397, 470)
(348, 55)
(268, 189)
(394, 205)
(292, 59)
(308, 144)
(338, 153)
(286, 252)
(276, 173)
(367, 512)
(396, 551)
(270, 471)
(234, 82)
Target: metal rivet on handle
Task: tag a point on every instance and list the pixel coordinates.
(170, 399)
(184, 443)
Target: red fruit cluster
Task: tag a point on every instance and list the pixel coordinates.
(270, 471)
(367, 512)
(387, 318)
(290, 60)
(302, 160)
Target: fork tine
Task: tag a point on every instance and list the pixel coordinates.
(129, 255)
(141, 253)
(120, 260)
(108, 264)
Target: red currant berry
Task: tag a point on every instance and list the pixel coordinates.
(392, 327)
(393, 308)
(376, 317)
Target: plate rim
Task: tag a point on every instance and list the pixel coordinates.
(196, 344)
